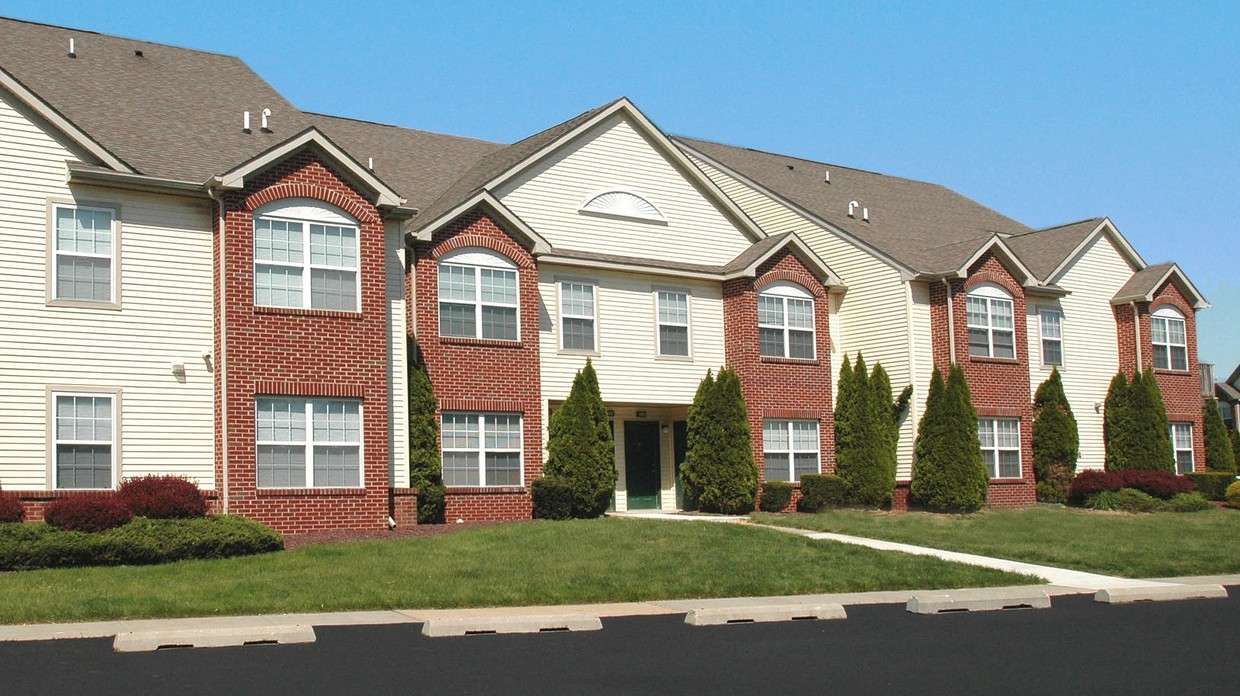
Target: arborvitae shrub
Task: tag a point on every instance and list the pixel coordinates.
(719, 472)
(1117, 427)
(1235, 446)
(162, 497)
(821, 491)
(776, 495)
(87, 513)
(553, 498)
(1233, 495)
(950, 474)
(866, 434)
(1055, 440)
(580, 450)
(1211, 484)
(10, 508)
(1219, 454)
(425, 464)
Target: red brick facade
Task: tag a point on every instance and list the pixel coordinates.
(265, 351)
(483, 375)
(781, 388)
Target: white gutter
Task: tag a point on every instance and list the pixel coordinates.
(221, 360)
(951, 323)
(1136, 332)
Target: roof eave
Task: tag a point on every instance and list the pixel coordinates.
(1013, 262)
(484, 199)
(816, 265)
(79, 173)
(1105, 226)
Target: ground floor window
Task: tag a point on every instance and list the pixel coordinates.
(1182, 443)
(790, 449)
(83, 436)
(1000, 439)
(481, 449)
(309, 443)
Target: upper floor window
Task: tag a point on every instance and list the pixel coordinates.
(83, 256)
(478, 295)
(1170, 339)
(309, 443)
(786, 321)
(578, 318)
(83, 440)
(790, 449)
(306, 256)
(991, 328)
(673, 322)
(1051, 323)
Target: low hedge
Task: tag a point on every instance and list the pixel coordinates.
(1211, 484)
(821, 491)
(140, 542)
(1133, 500)
(775, 496)
(553, 498)
(1233, 495)
(1159, 484)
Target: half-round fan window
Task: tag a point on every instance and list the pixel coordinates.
(622, 204)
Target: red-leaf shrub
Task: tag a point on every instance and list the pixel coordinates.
(88, 513)
(10, 508)
(162, 497)
(1160, 484)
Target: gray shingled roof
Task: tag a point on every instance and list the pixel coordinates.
(1043, 250)
(926, 227)
(1143, 282)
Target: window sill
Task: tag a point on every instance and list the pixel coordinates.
(84, 304)
(675, 358)
(993, 361)
(585, 353)
(1007, 481)
(482, 342)
(789, 361)
(303, 312)
(307, 492)
(486, 490)
(1177, 373)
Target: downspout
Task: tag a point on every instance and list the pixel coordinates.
(1136, 332)
(951, 323)
(221, 360)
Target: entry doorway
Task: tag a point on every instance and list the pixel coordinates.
(642, 463)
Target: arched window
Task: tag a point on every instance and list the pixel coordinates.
(622, 204)
(1169, 338)
(478, 295)
(305, 255)
(786, 321)
(991, 329)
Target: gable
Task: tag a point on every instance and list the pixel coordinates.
(559, 198)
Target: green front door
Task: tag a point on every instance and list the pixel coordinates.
(641, 464)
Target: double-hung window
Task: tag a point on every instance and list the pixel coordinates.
(786, 322)
(578, 318)
(478, 295)
(305, 256)
(790, 449)
(1170, 340)
(84, 434)
(1000, 438)
(673, 322)
(83, 253)
(991, 329)
(481, 449)
(1182, 443)
(1051, 326)
(309, 443)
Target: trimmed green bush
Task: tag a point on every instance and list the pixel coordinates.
(776, 495)
(821, 491)
(1139, 436)
(553, 498)
(1133, 500)
(867, 432)
(719, 472)
(140, 542)
(1056, 443)
(1233, 495)
(1219, 453)
(1188, 502)
(425, 463)
(1117, 426)
(1235, 447)
(580, 449)
(1211, 484)
(949, 475)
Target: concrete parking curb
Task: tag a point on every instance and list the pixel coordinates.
(145, 641)
(533, 623)
(987, 599)
(1163, 593)
(763, 613)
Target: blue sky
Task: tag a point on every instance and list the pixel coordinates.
(1048, 112)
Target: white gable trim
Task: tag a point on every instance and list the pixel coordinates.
(816, 265)
(484, 199)
(1107, 228)
(62, 124)
(1177, 276)
(1010, 260)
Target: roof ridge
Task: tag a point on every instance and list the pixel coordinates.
(400, 127)
(106, 35)
(804, 159)
(1060, 226)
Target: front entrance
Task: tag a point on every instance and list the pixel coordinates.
(642, 464)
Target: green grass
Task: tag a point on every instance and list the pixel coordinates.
(536, 563)
(1165, 544)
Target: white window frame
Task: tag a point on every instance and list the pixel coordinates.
(55, 440)
(1043, 313)
(996, 449)
(788, 425)
(1187, 427)
(786, 293)
(482, 450)
(309, 443)
(659, 323)
(54, 255)
(307, 213)
(476, 259)
(1166, 349)
(564, 314)
(992, 295)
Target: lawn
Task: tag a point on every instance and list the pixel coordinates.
(536, 563)
(1165, 544)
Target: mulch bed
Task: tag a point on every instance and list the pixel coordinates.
(336, 536)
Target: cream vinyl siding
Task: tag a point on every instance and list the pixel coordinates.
(628, 369)
(922, 352)
(614, 156)
(398, 357)
(1090, 352)
(165, 256)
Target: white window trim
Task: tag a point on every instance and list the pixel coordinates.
(559, 289)
(659, 323)
(476, 259)
(784, 291)
(997, 449)
(792, 451)
(1167, 315)
(481, 450)
(992, 293)
(306, 212)
(1192, 462)
(114, 290)
(52, 440)
(310, 443)
(1044, 338)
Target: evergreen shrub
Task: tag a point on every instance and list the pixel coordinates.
(1211, 484)
(949, 474)
(776, 495)
(867, 433)
(719, 471)
(425, 463)
(1219, 453)
(1188, 502)
(580, 449)
(1136, 428)
(1056, 443)
(162, 497)
(553, 498)
(821, 491)
(95, 512)
(1233, 495)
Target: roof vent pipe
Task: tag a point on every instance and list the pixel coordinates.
(826, 176)
(72, 48)
(370, 163)
(266, 115)
(852, 206)
(245, 121)
(865, 214)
